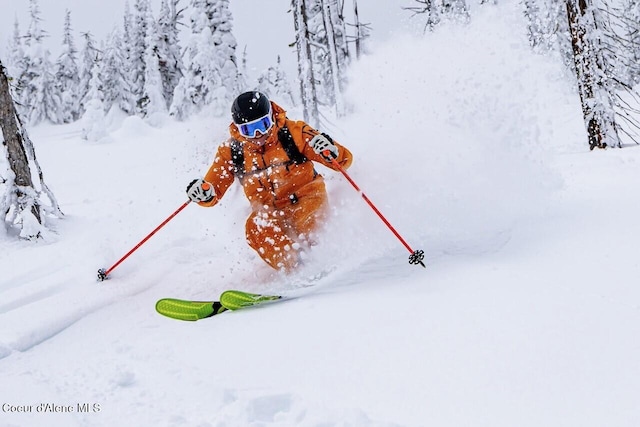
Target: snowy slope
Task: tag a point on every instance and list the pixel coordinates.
(528, 313)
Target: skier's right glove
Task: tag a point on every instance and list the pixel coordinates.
(200, 190)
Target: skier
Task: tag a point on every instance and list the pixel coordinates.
(273, 157)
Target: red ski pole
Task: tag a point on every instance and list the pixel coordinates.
(417, 256)
(104, 273)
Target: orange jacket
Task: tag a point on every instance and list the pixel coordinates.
(270, 178)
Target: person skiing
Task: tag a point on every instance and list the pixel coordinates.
(272, 157)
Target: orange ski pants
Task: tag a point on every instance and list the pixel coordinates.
(277, 235)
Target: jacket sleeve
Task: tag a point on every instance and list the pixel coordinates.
(303, 133)
(220, 174)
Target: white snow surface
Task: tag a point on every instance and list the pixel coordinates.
(528, 313)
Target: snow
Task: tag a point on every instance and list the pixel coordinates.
(527, 314)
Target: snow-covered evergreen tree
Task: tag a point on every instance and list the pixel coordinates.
(140, 26)
(67, 74)
(152, 100)
(127, 42)
(93, 119)
(89, 55)
(200, 78)
(210, 75)
(548, 28)
(38, 95)
(273, 82)
(115, 77)
(220, 21)
(15, 55)
(169, 55)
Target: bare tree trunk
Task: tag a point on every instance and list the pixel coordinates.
(358, 37)
(17, 155)
(336, 73)
(305, 64)
(595, 93)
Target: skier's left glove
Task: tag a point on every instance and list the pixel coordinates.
(200, 190)
(323, 144)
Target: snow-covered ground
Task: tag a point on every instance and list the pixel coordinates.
(528, 313)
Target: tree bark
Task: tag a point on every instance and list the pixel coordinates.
(328, 13)
(305, 64)
(593, 89)
(17, 155)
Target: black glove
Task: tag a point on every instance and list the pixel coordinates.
(200, 190)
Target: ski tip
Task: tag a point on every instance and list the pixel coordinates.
(235, 300)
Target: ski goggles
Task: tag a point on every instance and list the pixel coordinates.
(251, 129)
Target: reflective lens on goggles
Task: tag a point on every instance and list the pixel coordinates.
(262, 125)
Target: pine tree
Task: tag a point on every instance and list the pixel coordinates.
(200, 77)
(115, 77)
(169, 55)
(67, 75)
(153, 100)
(22, 203)
(93, 119)
(548, 28)
(15, 55)
(141, 19)
(210, 75)
(38, 96)
(220, 23)
(89, 55)
(274, 83)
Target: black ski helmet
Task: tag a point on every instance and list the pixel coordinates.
(250, 106)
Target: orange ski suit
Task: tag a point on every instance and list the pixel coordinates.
(288, 200)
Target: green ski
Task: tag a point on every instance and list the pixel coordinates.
(196, 310)
(235, 300)
(188, 310)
